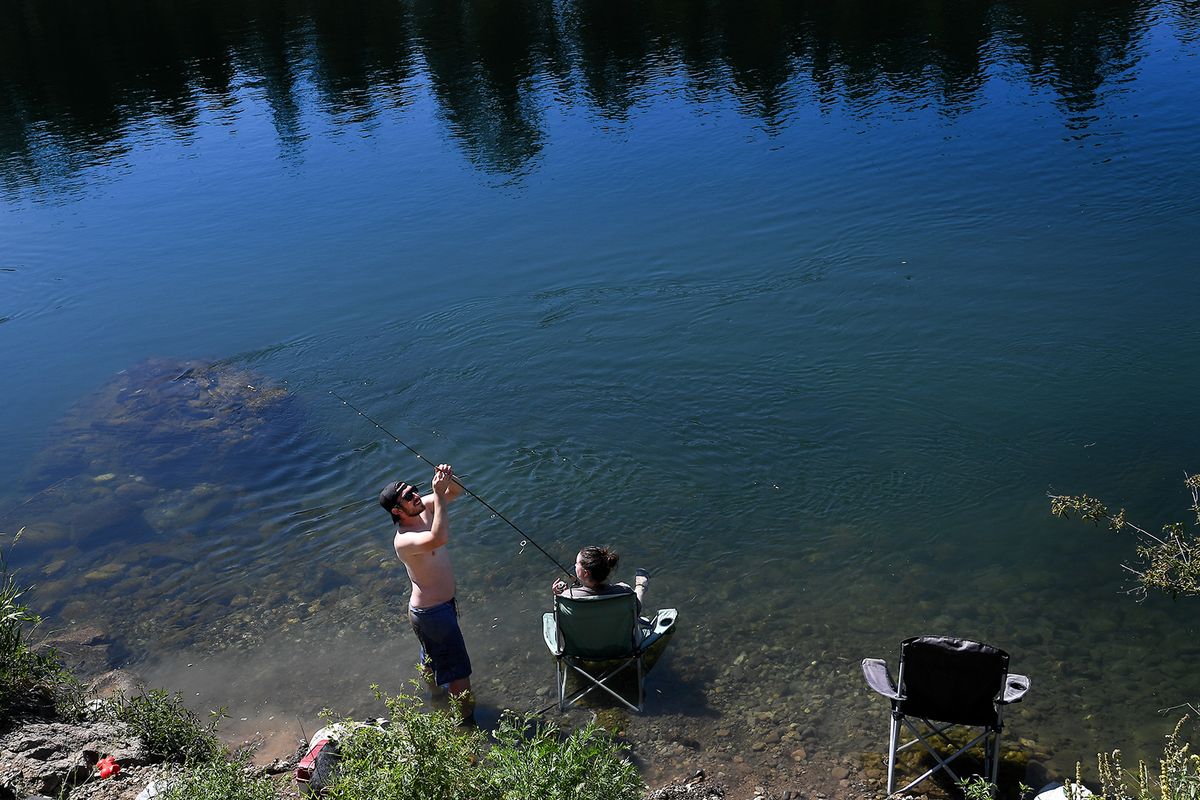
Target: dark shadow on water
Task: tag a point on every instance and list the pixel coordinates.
(667, 690)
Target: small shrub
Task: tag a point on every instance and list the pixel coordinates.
(533, 760)
(423, 756)
(29, 680)
(428, 756)
(1178, 774)
(170, 729)
(977, 788)
(220, 779)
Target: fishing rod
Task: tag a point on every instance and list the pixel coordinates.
(524, 536)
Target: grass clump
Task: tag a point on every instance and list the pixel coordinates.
(427, 756)
(30, 681)
(419, 756)
(220, 779)
(170, 729)
(534, 760)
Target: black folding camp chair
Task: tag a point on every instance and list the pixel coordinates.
(945, 683)
(598, 638)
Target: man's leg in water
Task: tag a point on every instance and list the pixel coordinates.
(425, 670)
(460, 691)
(444, 654)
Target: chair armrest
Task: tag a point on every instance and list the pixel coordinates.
(878, 678)
(659, 627)
(1014, 689)
(550, 633)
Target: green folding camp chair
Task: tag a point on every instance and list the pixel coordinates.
(598, 638)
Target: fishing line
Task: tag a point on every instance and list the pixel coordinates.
(524, 536)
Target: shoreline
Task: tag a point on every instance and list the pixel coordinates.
(679, 769)
(750, 745)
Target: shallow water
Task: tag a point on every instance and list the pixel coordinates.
(804, 309)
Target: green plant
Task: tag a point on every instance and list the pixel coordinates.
(1178, 775)
(429, 756)
(1168, 562)
(533, 759)
(221, 779)
(29, 680)
(976, 787)
(423, 756)
(170, 729)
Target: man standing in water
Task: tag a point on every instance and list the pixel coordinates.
(422, 532)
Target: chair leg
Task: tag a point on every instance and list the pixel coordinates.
(893, 735)
(943, 764)
(594, 683)
(641, 689)
(995, 752)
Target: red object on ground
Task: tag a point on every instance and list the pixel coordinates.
(304, 770)
(108, 767)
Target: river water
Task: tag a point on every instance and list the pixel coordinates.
(804, 307)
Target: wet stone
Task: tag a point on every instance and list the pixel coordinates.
(104, 573)
(45, 534)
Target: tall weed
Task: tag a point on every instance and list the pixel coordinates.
(420, 756)
(428, 756)
(30, 681)
(221, 779)
(533, 759)
(1178, 776)
(170, 729)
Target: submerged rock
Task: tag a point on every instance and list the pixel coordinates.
(147, 451)
(84, 649)
(115, 683)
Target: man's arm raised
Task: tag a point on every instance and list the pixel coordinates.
(426, 541)
(454, 489)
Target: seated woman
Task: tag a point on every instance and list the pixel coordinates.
(593, 565)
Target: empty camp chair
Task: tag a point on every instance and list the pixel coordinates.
(950, 682)
(599, 638)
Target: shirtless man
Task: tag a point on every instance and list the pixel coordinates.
(422, 531)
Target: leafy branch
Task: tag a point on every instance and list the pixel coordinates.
(1168, 561)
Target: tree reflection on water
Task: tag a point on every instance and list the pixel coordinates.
(75, 78)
